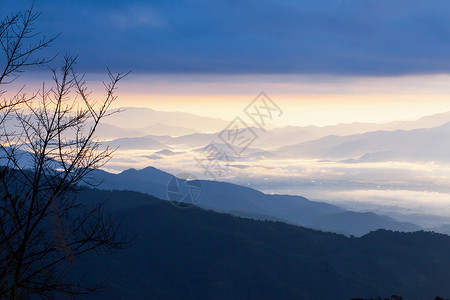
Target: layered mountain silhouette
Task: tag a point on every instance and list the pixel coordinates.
(248, 202)
(421, 140)
(416, 144)
(198, 254)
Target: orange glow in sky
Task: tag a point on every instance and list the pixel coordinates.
(316, 100)
(305, 100)
(300, 109)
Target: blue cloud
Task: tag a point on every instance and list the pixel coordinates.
(354, 37)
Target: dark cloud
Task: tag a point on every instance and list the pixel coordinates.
(354, 37)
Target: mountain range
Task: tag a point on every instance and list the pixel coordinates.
(416, 144)
(147, 121)
(420, 140)
(245, 201)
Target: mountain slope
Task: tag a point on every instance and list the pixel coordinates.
(196, 254)
(244, 201)
(221, 196)
(357, 223)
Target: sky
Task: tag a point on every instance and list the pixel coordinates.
(324, 62)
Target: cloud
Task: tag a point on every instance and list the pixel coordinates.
(348, 37)
(405, 201)
(137, 16)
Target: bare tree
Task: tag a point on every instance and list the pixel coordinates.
(20, 43)
(47, 149)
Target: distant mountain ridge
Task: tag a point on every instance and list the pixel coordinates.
(335, 141)
(416, 144)
(241, 200)
(143, 119)
(220, 196)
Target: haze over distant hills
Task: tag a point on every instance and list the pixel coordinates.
(148, 121)
(328, 167)
(269, 247)
(373, 161)
(145, 121)
(416, 144)
(186, 129)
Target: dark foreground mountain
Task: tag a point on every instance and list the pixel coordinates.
(191, 253)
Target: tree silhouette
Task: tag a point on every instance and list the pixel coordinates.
(47, 149)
